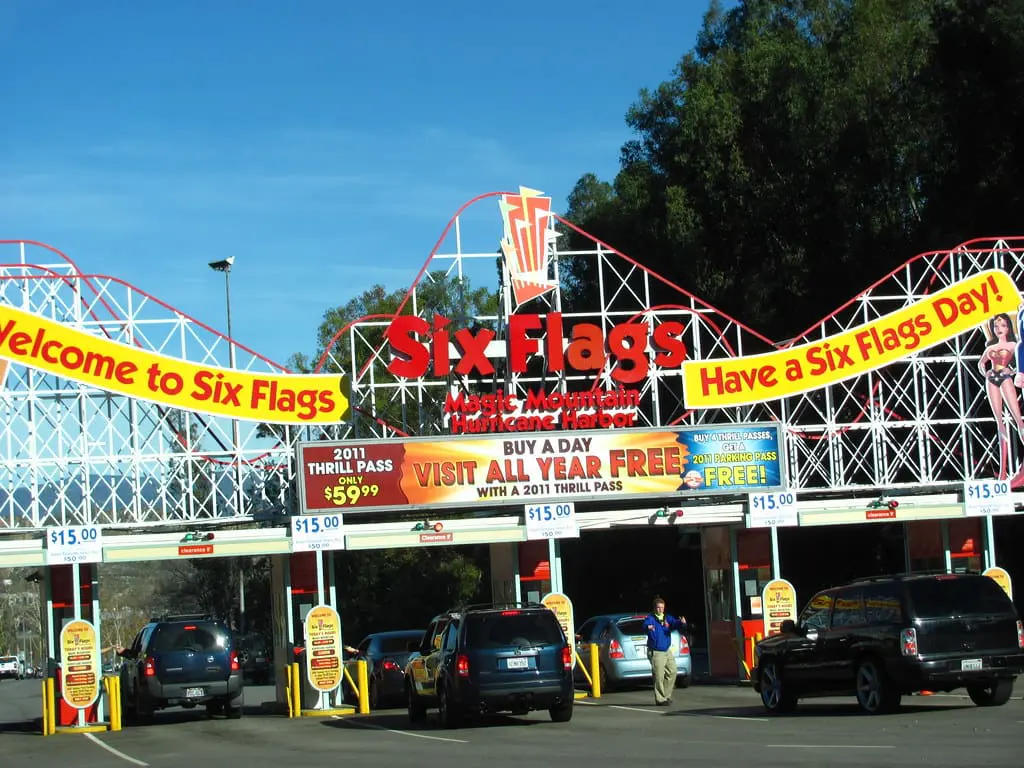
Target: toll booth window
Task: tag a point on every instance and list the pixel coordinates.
(719, 587)
(190, 637)
(849, 609)
(526, 630)
(816, 613)
(882, 604)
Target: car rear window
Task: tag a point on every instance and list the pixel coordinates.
(957, 596)
(494, 630)
(633, 626)
(200, 636)
(398, 644)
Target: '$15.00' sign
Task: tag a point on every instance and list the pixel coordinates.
(69, 544)
(988, 497)
(551, 521)
(317, 533)
(769, 510)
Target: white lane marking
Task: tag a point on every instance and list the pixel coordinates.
(829, 746)
(637, 709)
(588, 703)
(400, 733)
(687, 714)
(116, 752)
(738, 717)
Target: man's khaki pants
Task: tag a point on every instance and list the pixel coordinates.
(663, 669)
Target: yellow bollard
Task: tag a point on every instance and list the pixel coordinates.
(364, 687)
(595, 670)
(296, 690)
(114, 701)
(46, 712)
(51, 705)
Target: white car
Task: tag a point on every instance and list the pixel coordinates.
(10, 667)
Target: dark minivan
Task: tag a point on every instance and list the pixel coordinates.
(882, 638)
(486, 660)
(181, 661)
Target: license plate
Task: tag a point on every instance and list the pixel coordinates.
(970, 665)
(517, 663)
(195, 693)
(641, 650)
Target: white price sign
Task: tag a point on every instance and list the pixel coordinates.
(771, 510)
(317, 533)
(67, 544)
(987, 497)
(551, 521)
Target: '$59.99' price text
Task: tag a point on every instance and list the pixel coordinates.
(74, 537)
(342, 495)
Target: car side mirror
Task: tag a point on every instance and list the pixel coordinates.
(789, 627)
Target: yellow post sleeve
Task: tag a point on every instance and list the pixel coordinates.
(595, 670)
(115, 704)
(364, 687)
(46, 711)
(296, 690)
(51, 704)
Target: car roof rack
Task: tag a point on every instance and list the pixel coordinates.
(495, 606)
(901, 576)
(181, 617)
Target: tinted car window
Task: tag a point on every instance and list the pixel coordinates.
(398, 644)
(525, 629)
(957, 596)
(190, 637)
(815, 615)
(849, 609)
(882, 604)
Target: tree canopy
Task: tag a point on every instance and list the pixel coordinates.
(804, 148)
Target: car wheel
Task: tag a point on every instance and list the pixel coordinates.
(234, 712)
(875, 693)
(602, 675)
(561, 713)
(417, 712)
(994, 693)
(449, 715)
(775, 696)
(683, 681)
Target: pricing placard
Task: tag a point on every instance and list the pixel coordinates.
(771, 510)
(987, 497)
(68, 544)
(318, 533)
(551, 521)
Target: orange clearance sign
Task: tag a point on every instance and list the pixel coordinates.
(778, 599)
(323, 648)
(80, 664)
(1002, 578)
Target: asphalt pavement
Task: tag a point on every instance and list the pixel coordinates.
(712, 725)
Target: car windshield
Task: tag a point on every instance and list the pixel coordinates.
(957, 596)
(397, 643)
(201, 636)
(493, 630)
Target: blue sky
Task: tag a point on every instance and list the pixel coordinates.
(325, 144)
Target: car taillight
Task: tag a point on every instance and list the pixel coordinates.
(462, 666)
(684, 647)
(615, 650)
(908, 642)
(566, 657)
(234, 662)
(150, 669)
(1020, 634)
(510, 613)
(390, 666)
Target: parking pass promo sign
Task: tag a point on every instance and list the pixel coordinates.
(600, 465)
(80, 660)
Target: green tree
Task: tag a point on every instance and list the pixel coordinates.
(805, 147)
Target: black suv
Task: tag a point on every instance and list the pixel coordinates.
(487, 659)
(181, 661)
(255, 656)
(884, 637)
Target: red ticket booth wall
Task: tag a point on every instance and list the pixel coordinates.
(62, 596)
(754, 555)
(534, 570)
(926, 550)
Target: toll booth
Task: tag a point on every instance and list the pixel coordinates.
(69, 592)
(953, 546)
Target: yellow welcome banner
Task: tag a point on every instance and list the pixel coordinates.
(961, 307)
(273, 398)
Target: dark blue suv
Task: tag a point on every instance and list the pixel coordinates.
(484, 660)
(181, 661)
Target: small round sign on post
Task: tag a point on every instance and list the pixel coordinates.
(80, 664)
(323, 648)
(1002, 578)
(778, 602)
(560, 605)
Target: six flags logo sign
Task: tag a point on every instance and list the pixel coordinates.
(525, 244)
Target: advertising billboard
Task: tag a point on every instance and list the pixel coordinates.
(604, 465)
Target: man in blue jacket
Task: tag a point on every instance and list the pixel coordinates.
(660, 653)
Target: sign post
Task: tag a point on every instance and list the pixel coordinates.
(323, 650)
(560, 605)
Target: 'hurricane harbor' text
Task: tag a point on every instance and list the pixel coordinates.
(540, 411)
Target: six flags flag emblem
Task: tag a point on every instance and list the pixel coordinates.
(525, 244)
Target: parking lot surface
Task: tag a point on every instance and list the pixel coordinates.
(710, 725)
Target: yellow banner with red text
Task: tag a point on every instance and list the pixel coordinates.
(933, 320)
